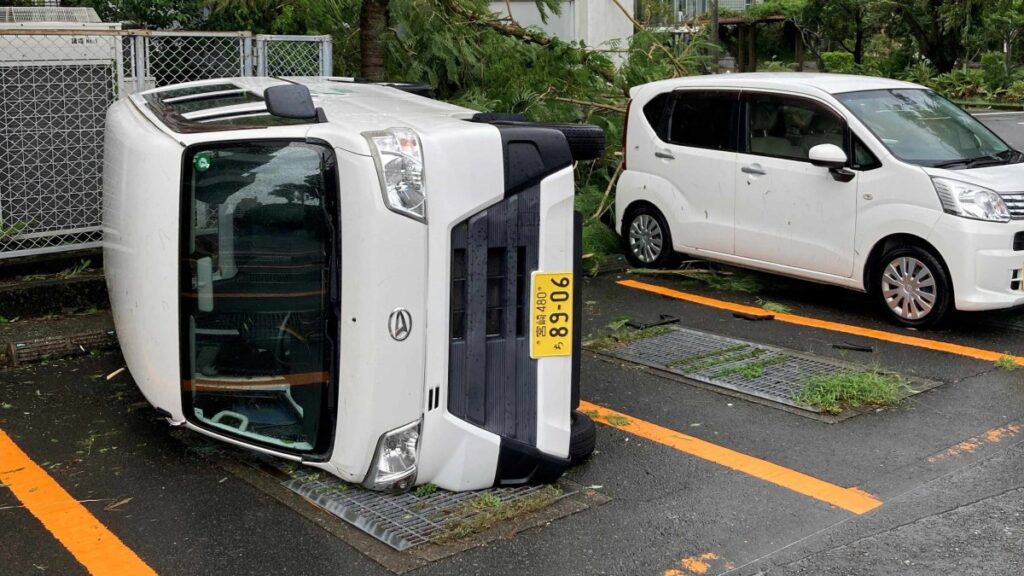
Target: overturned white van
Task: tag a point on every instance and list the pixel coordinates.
(350, 276)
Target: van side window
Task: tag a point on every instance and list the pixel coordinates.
(654, 112)
(863, 158)
(789, 127)
(704, 120)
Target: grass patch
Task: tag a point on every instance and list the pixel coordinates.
(332, 488)
(424, 490)
(624, 336)
(618, 421)
(774, 306)
(834, 393)
(487, 510)
(599, 241)
(1007, 363)
(753, 369)
(683, 363)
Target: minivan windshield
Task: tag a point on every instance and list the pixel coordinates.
(920, 127)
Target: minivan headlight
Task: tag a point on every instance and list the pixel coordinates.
(970, 200)
(394, 462)
(399, 159)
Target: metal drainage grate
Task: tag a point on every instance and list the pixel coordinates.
(404, 520)
(753, 369)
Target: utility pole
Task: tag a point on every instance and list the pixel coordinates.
(713, 36)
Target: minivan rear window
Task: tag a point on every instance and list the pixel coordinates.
(704, 119)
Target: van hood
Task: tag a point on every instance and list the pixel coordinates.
(1005, 178)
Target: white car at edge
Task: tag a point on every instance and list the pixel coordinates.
(872, 184)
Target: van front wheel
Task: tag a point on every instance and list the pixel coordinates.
(913, 287)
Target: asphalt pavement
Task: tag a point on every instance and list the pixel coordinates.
(946, 465)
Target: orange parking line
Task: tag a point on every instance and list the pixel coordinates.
(937, 345)
(849, 499)
(89, 541)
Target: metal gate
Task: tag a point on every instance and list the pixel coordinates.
(55, 88)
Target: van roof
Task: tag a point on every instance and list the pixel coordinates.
(800, 82)
(226, 104)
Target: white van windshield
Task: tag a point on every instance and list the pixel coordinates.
(920, 127)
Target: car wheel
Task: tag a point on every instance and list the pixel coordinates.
(913, 287)
(582, 437)
(647, 237)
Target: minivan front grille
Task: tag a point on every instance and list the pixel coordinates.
(492, 381)
(1015, 203)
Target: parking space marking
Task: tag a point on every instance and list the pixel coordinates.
(849, 499)
(89, 541)
(936, 345)
(993, 436)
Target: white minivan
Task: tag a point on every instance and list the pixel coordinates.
(350, 276)
(873, 184)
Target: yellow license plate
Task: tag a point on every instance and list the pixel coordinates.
(551, 315)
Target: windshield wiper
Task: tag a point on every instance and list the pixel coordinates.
(986, 160)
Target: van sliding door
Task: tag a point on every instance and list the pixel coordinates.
(259, 293)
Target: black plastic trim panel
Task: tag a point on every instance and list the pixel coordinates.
(519, 464)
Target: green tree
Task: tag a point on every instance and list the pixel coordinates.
(151, 14)
(846, 23)
(1004, 22)
(940, 27)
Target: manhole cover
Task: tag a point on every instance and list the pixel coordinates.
(738, 366)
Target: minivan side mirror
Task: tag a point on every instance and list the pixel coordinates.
(292, 101)
(827, 156)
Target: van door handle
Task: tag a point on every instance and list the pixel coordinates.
(666, 154)
(753, 169)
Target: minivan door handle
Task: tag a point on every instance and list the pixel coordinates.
(753, 169)
(666, 154)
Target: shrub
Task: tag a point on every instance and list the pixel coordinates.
(1015, 93)
(960, 84)
(920, 73)
(776, 66)
(838, 62)
(993, 70)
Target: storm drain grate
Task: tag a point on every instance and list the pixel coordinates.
(405, 520)
(750, 369)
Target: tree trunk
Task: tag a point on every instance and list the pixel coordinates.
(373, 23)
(741, 48)
(858, 45)
(752, 48)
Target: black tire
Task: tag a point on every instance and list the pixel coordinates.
(582, 437)
(918, 267)
(586, 141)
(644, 217)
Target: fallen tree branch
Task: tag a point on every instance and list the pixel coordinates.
(601, 208)
(597, 105)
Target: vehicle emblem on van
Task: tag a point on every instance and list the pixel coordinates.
(400, 324)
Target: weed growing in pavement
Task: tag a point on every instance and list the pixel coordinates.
(424, 490)
(774, 306)
(1007, 363)
(618, 421)
(625, 336)
(853, 388)
(753, 369)
(487, 510)
(332, 488)
(76, 269)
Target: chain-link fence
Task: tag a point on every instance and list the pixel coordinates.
(55, 88)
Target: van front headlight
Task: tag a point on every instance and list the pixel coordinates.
(970, 200)
(394, 462)
(399, 159)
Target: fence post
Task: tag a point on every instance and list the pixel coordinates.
(326, 57)
(246, 47)
(140, 65)
(261, 55)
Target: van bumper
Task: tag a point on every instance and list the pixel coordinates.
(986, 270)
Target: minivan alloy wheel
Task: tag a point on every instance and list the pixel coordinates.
(909, 288)
(646, 239)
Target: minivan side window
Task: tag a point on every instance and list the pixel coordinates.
(784, 127)
(654, 112)
(863, 158)
(704, 119)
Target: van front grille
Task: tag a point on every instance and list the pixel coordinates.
(1015, 203)
(492, 381)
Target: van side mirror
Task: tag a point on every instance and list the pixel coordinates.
(292, 101)
(827, 156)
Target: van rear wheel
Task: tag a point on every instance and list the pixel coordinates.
(647, 237)
(582, 437)
(913, 287)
